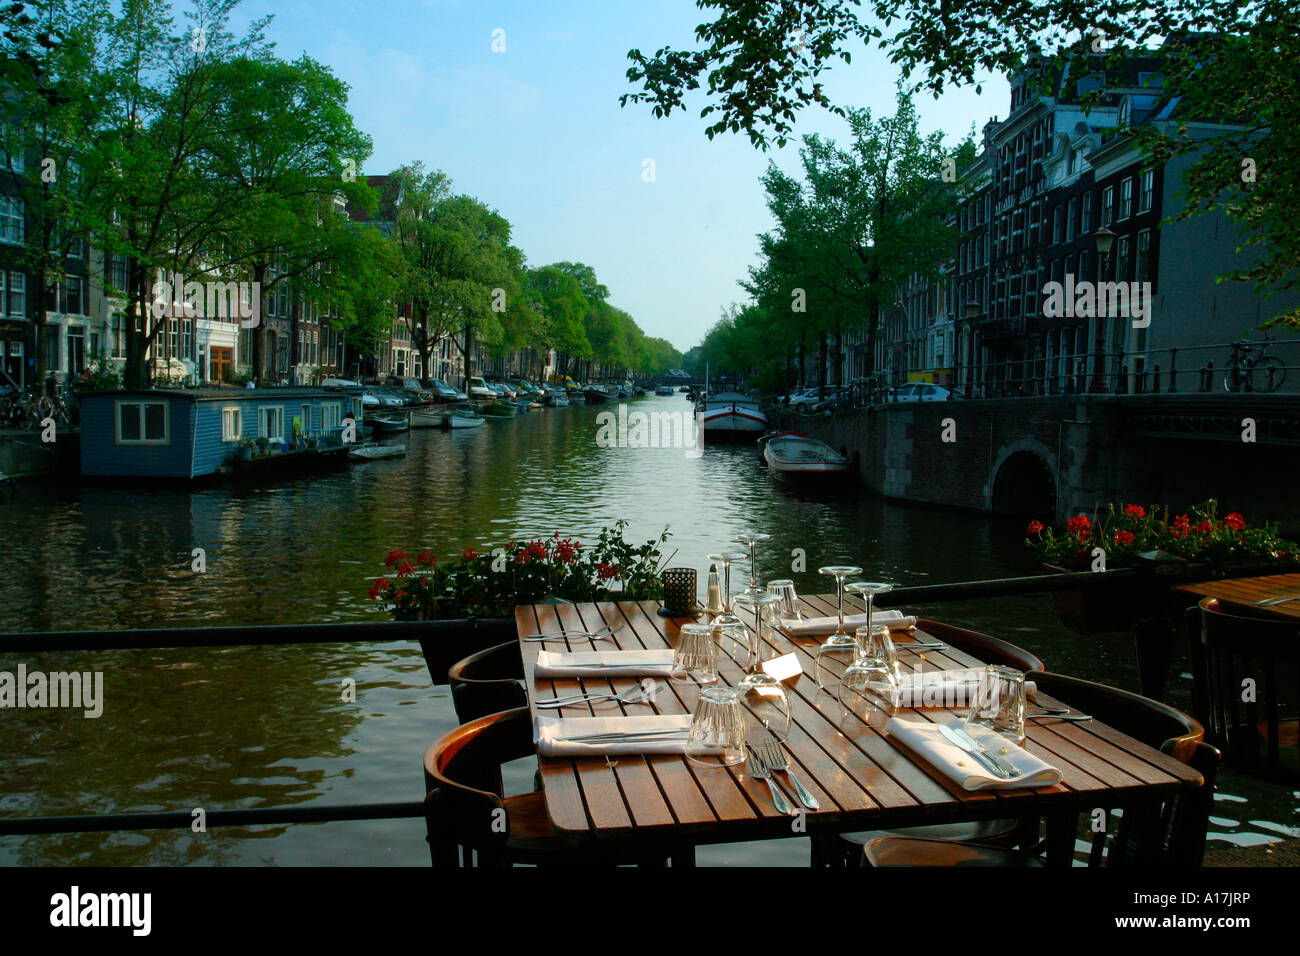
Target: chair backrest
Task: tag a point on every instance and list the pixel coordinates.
(1246, 671)
(463, 807)
(1173, 833)
(488, 682)
(989, 649)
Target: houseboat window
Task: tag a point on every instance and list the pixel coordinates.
(306, 418)
(142, 423)
(331, 415)
(271, 420)
(232, 423)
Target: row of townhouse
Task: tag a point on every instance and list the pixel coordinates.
(1058, 195)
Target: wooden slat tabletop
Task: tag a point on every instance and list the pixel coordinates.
(862, 777)
(1246, 591)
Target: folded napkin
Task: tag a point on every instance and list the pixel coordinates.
(630, 663)
(962, 768)
(821, 626)
(942, 688)
(554, 735)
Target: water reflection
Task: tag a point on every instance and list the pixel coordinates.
(231, 727)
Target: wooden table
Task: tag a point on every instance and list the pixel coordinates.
(1244, 592)
(863, 778)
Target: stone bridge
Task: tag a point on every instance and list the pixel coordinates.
(1059, 455)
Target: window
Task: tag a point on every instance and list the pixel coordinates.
(1144, 256)
(117, 273)
(13, 147)
(16, 294)
(271, 422)
(1057, 235)
(331, 415)
(1126, 198)
(52, 339)
(117, 335)
(12, 228)
(73, 303)
(1121, 259)
(232, 423)
(1072, 220)
(1148, 190)
(304, 423)
(1085, 215)
(1108, 205)
(142, 423)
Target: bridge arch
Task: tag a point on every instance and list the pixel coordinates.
(1022, 481)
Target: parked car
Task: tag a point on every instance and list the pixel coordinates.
(340, 383)
(444, 392)
(388, 397)
(920, 392)
(810, 397)
(479, 389)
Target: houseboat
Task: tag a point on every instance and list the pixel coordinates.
(731, 415)
(192, 433)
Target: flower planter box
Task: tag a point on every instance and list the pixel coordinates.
(1117, 608)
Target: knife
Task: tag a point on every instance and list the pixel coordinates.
(977, 750)
(630, 734)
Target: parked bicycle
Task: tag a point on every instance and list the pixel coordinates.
(1252, 369)
(25, 409)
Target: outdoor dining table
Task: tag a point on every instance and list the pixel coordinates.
(1245, 592)
(863, 778)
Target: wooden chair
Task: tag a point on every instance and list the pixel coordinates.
(488, 682)
(469, 821)
(846, 848)
(1171, 834)
(1256, 723)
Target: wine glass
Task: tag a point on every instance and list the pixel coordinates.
(867, 591)
(874, 673)
(751, 538)
(762, 693)
(841, 641)
(725, 559)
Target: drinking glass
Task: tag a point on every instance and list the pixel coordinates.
(730, 633)
(717, 734)
(762, 693)
(841, 642)
(695, 661)
(867, 591)
(751, 538)
(873, 677)
(725, 559)
(1000, 702)
(788, 609)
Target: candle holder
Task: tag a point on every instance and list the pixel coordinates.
(679, 593)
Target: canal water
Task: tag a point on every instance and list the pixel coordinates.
(246, 727)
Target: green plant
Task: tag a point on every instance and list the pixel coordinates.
(490, 584)
(1134, 530)
(100, 376)
(241, 378)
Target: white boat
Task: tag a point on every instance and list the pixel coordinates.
(372, 451)
(432, 416)
(464, 417)
(664, 390)
(791, 455)
(731, 414)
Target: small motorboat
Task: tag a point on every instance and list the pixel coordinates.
(791, 455)
(595, 395)
(372, 451)
(387, 425)
(430, 416)
(577, 396)
(557, 399)
(664, 390)
(463, 417)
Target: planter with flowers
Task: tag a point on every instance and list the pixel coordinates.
(1160, 544)
(490, 583)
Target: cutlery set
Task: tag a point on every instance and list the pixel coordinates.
(605, 633)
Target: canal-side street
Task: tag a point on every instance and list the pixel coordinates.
(239, 727)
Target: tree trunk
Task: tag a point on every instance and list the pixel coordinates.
(135, 375)
(821, 362)
(257, 349)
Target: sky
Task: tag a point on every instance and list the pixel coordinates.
(536, 132)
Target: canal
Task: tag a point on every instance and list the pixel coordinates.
(245, 727)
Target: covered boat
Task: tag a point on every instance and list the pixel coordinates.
(791, 455)
(731, 415)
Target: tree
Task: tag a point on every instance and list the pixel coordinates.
(759, 62)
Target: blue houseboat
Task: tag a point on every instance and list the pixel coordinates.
(190, 433)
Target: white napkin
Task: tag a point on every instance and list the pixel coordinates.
(942, 688)
(822, 626)
(925, 739)
(631, 663)
(552, 734)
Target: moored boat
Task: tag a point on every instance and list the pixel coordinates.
(791, 455)
(373, 450)
(429, 416)
(462, 416)
(664, 390)
(595, 394)
(731, 415)
(389, 424)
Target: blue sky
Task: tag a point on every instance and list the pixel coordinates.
(537, 133)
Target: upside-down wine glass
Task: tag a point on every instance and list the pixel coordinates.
(750, 539)
(841, 641)
(762, 693)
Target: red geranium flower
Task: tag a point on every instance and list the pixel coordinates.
(1205, 527)
(427, 558)
(1235, 521)
(1035, 527)
(405, 569)
(394, 557)
(1079, 523)
(605, 572)
(469, 554)
(1124, 537)
(1135, 511)
(378, 588)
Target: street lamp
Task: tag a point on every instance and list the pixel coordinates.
(1105, 239)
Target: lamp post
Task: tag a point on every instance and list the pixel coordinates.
(1104, 239)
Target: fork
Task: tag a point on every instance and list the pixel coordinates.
(760, 772)
(605, 633)
(774, 756)
(633, 695)
(1270, 602)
